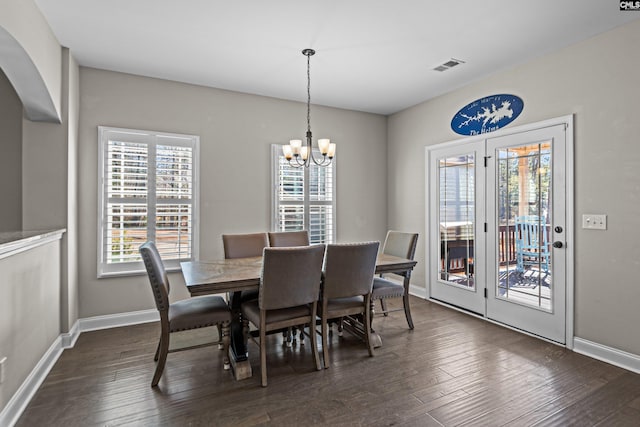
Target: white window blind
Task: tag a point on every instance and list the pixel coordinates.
(147, 192)
(303, 198)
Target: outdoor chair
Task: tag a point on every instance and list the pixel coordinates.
(532, 244)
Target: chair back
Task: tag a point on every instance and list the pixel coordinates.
(157, 275)
(400, 244)
(531, 232)
(349, 269)
(288, 238)
(290, 277)
(244, 245)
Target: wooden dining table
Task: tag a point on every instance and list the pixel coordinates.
(239, 274)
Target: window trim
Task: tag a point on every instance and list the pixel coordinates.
(147, 137)
(276, 154)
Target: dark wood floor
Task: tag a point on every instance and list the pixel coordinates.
(453, 369)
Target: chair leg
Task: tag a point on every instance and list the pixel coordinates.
(263, 357)
(314, 344)
(225, 332)
(367, 326)
(155, 358)
(383, 304)
(407, 310)
(163, 349)
(220, 345)
(289, 337)
(325, 344)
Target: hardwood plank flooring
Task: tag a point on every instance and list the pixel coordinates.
(452, 370)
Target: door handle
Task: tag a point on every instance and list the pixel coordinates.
(557, 244)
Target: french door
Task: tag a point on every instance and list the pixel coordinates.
(499, 230)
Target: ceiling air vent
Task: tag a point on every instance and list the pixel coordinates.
(449, 64)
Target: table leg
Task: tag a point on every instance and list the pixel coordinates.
(238, 354)
(356, 327)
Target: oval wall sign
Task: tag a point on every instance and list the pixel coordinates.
(487, 114)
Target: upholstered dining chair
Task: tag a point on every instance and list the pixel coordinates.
(192, 313)
(245, 246)
(288, 296)
(346, 287)
(402, 245)
(280, 239)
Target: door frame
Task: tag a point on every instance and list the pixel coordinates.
(570, 214)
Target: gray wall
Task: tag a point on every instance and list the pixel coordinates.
(49, 182)
(236, 132)
(10, 157)
(29, 321)
(31, 58)
(596, 80)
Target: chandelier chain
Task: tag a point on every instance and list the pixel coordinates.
(308, 92)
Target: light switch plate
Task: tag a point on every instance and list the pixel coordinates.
(594, 221)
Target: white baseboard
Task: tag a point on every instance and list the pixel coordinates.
(117, 320)
(69, 338)
(19, 401)
(418, 291)
(610, 355)
(21, 398)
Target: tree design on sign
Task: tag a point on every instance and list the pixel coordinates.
(489, 115)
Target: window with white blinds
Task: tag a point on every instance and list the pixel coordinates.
(303, 198)
(148, 191)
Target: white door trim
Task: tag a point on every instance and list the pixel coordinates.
(570, 220)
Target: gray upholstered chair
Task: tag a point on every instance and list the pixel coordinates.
(402, 245)
(289, 287)
(192, 313)
(346, 288)
(245, 246)
(280, 239)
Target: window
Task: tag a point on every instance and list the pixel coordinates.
(148, 191)
(303, 198)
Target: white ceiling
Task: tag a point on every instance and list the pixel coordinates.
(372, 55)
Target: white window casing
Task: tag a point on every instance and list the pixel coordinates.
(148, 190)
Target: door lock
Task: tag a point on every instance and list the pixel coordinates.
(557, 244)
(558, 229)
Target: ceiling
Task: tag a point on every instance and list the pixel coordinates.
(372, 55)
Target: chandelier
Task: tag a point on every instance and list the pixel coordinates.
(299, 155)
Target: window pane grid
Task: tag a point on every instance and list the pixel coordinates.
(126, 230)
(148, 191)
(304, 199)
(291, 182)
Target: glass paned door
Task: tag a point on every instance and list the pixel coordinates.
(457, 218)
(457, 197)
(499, 222)
(525, 215)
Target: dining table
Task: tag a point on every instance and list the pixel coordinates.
(236, 275)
